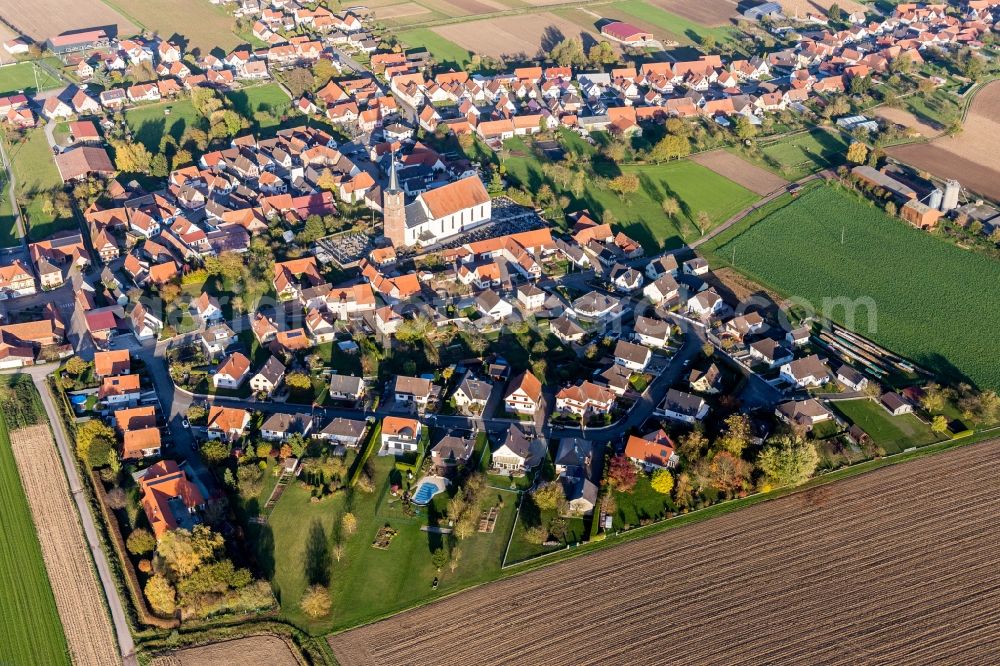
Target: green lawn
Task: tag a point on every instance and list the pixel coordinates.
(643, 503)
(676, 27)
(447, 53)
(35, 171)
(369, 582)
(8, 223)
(640, 215)
(269, 100)
(917, 295)
(149, 123)
(801, 154)
(521, 549)
(892, 433)
(30, 631)
(21, 77)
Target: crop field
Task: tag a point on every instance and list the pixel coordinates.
(22, 75)
(915, 294)
(908, 120)
(78, 597)
(704, 12)
(444, 51)
(641, 216)
(738, 170)
(270, 650)
(523, 34)
(970, 157)
(893, 566)
(676, 27)
(801, 8)
(30, 631)
(201, 26)
(892, 433)
(41, 19)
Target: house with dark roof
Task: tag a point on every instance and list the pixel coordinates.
(472, 394)
(680, 406)
(269, 377)
(280, 426)
(345, 432)
(452, 452)
(517, 452)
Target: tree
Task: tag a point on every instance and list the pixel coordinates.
(788, 461)
(671, 146)
(626, 183)
(670, 207)
(745, 129)
(323, 70)
(728, 474)
(439, 558)
(298, 381)
(214, 451)
(183, 551)
(703, 221)
(131, 157)
(315, 601)
(568, 52)
(456, 555)
(857, 153)
(621, 474)
(158, 166)
(737, 435)
(662, 481)
(76, 366)
(161, 595)
(860, 85)
(940, 424)
(692, 445)
(348, 523)
(835, 12)
(602, 53)
(94, 440)
(140, 541)
(466, 525)
(299, 81)
(549, 496)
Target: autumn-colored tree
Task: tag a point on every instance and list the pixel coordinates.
(737, 434)
(621, 474)
(315, 602)
(683, 492)
(466, 526)
(692, 445)
(703, 221)
(626, 183)
(549, 496)
(788, 461)
(76, 366)
(298, 381)
(670, 147)
(214, 451)
(456, 555)
(670, 207)
(728, 474)
(94, 440)
(857, 153)
(662, 481)
(940, 424)
(131, 157)
(183, 551)
(140, 541)
(348, 523)
(161, 595)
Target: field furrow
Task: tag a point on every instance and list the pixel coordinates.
(895, 566)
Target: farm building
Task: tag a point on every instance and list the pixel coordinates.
(756, 12)
(919, 214)
(876, 178)
(83, 161)
(77, 41)
(626, 33)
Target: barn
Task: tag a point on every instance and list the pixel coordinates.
(626, 33)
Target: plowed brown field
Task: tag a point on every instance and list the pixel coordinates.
(41, 19)
(74, 583)
(269, 650)
(740, 171)
(970, 157)
(894, 566)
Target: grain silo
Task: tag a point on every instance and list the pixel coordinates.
(935, 198)
(951, 190)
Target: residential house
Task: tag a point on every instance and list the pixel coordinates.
(16, 280)
(652, 332)
(472, 395)
(806, 372)
(524, 395)
(566, 329)
(343, 432)
(683, 407)
(632, 356)
(654, 450)
(585, 399)
(490, 304)
(705, 303)
(799, 336)
(227, 423)
(770, 352)
(803, 414)
(696, 266)
(346, 387)
(851, 378)
(418, 392)
(452, 452)
(206, 308)
(662, 290)
(114, 362)
(895, 404)
(706, 381)
(119, 390)
(530, 297)
(216, 339)
(280, 426)
(269, 377)
(135, 418)
(141, 443)
(400, 435)
(518, 453)
(231, 372)
(574, 456)
(169, 499)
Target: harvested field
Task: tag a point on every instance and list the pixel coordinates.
(706, 12)
(270, 650)
(525, 34)
(401, 10)
(41, 19)
(802, 7)
(906, 119)
(198, 24)
(78, 597)
(970, 157)
(894, 566)
(740, 171)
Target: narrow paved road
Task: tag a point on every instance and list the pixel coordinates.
(125, 643)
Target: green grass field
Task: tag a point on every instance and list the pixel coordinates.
(892, 433)
(917, 295)
(149, 123)
(640, 215)
(30, 631)
(643, 503)
(446, 52)
(21, 77)
(35, 171)
(801, 154)
(9, 235)
(676, 27)
(269, 99)
(369, 582)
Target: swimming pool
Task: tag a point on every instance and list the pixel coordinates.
(425, 492)
(78, 399)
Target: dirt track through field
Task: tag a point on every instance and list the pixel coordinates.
(78, 597)
(970, 157)
(895, 566)
(738, 170)
(269, 650)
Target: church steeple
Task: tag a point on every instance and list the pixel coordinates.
(393, 208)
(393, 177)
